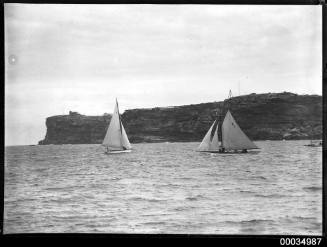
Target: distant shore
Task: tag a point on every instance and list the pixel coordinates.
(271, 116)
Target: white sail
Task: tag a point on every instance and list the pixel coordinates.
(214, 144)
(233, 138)
(209, 144)
(125, 141)
(116, 138)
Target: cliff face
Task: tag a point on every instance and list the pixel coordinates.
(261, 116)
(75, 129)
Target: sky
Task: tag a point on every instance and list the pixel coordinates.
(81, 57)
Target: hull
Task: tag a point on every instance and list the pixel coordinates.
(314, 144)
(118, 151)
(209, 151)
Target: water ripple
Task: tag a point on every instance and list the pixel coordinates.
(163, 188)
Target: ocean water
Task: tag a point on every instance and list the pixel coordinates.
(163, 188)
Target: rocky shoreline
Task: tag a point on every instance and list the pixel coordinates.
(271, 116)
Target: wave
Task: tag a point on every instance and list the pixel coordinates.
(256, 221)
(72, 217)
(41, 159)
(180, 209)
(70, 187)
(56, 188)
(154, 223)
(260, 177)
(146, 199)
(194, 198)
(296, 219)
(156, 214)
(60, 200)
(247, 191)
(270, 196)
(19, 200)
(304, 218)
(170, 185)
(312, 188)
(41, 169)
(249, 222)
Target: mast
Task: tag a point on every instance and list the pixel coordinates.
(119, 117)
(230, 94)
(225, 109)
(219, 120)
(120, 127)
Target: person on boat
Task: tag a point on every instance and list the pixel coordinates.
(244, 151)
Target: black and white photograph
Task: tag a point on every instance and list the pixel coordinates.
(163, 119)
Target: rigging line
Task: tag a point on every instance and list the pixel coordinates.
(120, 126)
(220, 129)
(224, 110)
(121, 132)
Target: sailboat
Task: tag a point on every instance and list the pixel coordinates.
(116, 140)
(314, 144)
(233, 139)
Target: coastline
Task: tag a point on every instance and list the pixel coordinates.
(272, 116)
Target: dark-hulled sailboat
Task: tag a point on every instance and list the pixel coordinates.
(233, 139)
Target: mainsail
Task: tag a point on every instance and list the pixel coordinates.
(233, 138)
(210, 142)
(116, 138)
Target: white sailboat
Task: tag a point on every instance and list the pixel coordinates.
(233, 139)
(116, 140)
